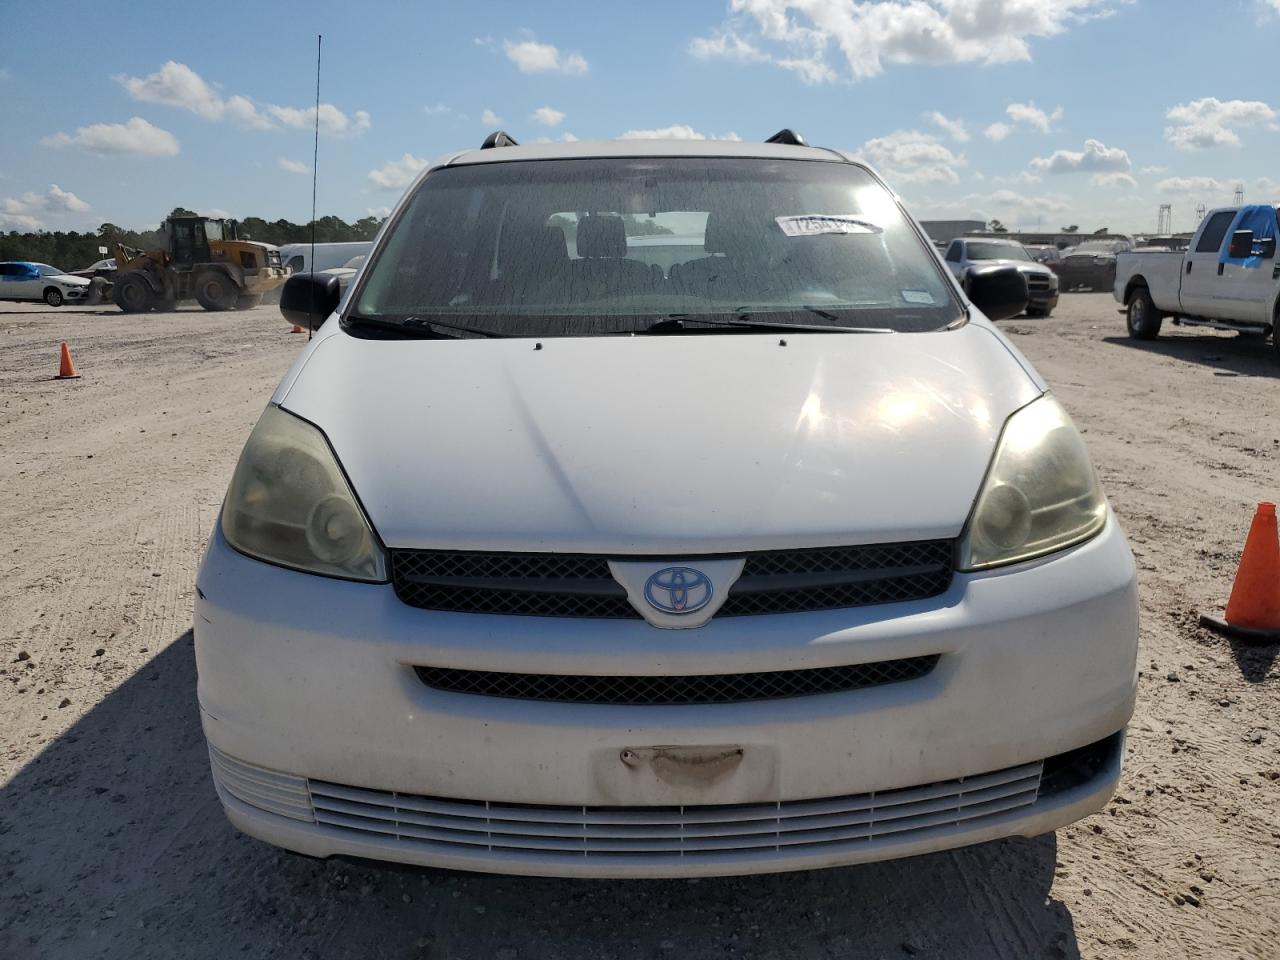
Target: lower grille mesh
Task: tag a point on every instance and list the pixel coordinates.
(672, 690)
(477, 829)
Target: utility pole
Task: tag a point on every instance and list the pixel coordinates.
(1238, 200)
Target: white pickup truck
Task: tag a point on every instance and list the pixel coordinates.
(1228, 278)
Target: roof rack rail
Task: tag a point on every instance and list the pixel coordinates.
(499, 138)
(789, 136)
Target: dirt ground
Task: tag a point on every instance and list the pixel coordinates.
(112, 842)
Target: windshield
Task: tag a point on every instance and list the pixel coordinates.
(596, 246)
(48, 271)
(997, 251)
(213, 230)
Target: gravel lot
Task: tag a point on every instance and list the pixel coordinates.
(112, 843)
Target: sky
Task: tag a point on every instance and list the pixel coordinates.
(1039, 113)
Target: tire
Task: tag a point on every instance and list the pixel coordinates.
(132, 294)
(215, 291)
(53, 297)
(1141, 316)
(248, 301)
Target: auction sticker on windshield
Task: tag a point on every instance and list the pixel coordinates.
(813, 224)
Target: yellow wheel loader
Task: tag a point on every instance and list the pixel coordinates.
(203, 260)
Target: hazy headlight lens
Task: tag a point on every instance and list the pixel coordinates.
(290, 504)
(1040, 495)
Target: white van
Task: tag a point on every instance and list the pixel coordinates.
(768, 554)
(296, 257)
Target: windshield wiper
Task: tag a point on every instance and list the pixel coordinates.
(422, 327)
(677, 323)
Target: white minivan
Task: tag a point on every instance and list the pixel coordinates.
(766, 554)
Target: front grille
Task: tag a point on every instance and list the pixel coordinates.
(673, 690)
(482, 830)
(1036, 282)
(527, 584)
(273, 258)
(566, 585)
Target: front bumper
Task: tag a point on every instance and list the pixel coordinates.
(75, 293)
(1043, 301)
(264, 279)
(1093, 277)
(310, 681)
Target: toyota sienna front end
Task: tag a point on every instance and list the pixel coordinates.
(748, 546)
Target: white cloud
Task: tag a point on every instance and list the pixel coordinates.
(728, 45)
(680, 131)
(1210, 122)
(548, 116)
(1197, 185)
(133, 136)
(997, 131)
(1116, 179)
(379, 212)
(397, 174)
(490, 119)
(292, 166)
(1096, 157)
(19, 221)
(954, 128)
(909, 156)
(799, 34)
(1268, 186)
(1156, 169)
(567, 137)
(25, 212)
(435, 109)
(1033, 116)
(530, 56)
(177, 85)
(1022, 177)
(332, 121)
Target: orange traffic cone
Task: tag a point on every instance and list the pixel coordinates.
(1253, 612)
(297, 329)
(66, 369)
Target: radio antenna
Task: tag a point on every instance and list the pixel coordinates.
(315, 173)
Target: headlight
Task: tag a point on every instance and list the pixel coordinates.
(1040, 494)
(289, 504)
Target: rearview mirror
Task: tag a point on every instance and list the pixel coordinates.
(307, 301)
(999, 292)
(1267, 248)
(1241, 245)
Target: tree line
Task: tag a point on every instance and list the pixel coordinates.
(71, 250)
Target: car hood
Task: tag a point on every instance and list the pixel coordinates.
(70, 280)
(1023, 266)
(663, 445)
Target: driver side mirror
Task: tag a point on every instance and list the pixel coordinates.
(999, 292)
(1267, 248)
(308, 300)
(1241, 245)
